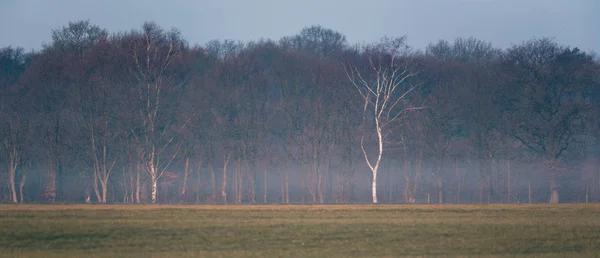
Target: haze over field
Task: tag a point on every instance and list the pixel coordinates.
(441, 102)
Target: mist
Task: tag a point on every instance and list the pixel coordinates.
(143, 116)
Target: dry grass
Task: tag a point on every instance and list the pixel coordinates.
(299, 230)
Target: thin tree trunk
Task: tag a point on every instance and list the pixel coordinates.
(213, 183)
(186, 172)
(320, 183)
(553, 182)
(198, 182)
(50, 189)
(235, 181)
(287, 186)
(529, 193)
(265, 185)
(313, 181)
(374, 187)
(554, 190)
(508, 182)
(96, 183)
(440, 185)
(131, 181)
(224, 181)
(282, 190)
(586, 193)
(154, 182)
(22, 183)
(489, 186)
(253, 186)
(406, 173)
(481, 192)
(302, 184)
(458, 181)
(240, 183)
(13, 164)
(417, 176)
(137, 180)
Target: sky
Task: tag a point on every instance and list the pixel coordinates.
(575, 23)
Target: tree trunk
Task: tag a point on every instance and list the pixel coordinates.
(302, 184)
(265, 185)
(458, 181)
(489, 188)
(409, 191)
(374, 187)
(320, 184)
(138, 187)
(282, 190)
(22, 183)
(553, 182)
(481, 193)
(13, 190)
(287, 186)
(95, 186)
(529, 193)
(240, 181)
(440, 187)
(198, 182)
(104, 185)
(554, 190)
(406, 175)
(253, 186)
(154, 182)
(185, 177)
(508, 182)
(131, 190)
(313, 181)
(224, 181)
(13, 164)
(213, 183)
(235, 182)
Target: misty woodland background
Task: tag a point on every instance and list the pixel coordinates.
(103, 117)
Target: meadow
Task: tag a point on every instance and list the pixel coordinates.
(566, 230)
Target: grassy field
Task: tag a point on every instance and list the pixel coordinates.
(299, 231)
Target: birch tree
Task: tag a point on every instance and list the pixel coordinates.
(384, 88)
(153, 52)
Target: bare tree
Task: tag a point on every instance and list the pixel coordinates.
(14, 122)
(384, 91)
(100, 98)
(153, 52)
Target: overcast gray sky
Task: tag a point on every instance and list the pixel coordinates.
(28, 23)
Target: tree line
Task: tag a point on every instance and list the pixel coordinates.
(141, 116)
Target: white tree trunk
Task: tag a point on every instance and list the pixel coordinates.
(137, 182)
(153, 181)
(14, 162)
(554, 191)
(553, 182)
(13, 190)
(22, 184)
(104, 185)
(374, 187)
(154, 189)
(185, 177)
(380, 94)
